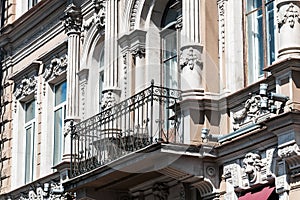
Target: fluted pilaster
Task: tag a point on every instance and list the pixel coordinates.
(72, 23)
(111, 71)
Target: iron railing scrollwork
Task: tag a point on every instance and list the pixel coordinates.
(148, 117)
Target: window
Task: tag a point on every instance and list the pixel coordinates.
(3, 12)
(29, 137)
(260, 31)
(170, 46)
(101, 77)
(32, 3)
(59, 117)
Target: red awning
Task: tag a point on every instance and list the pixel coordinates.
(261, 195)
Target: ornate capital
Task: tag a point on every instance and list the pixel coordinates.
(290, 15)
(138, 51)
(73, 20)
(57, 66)
(26, 87)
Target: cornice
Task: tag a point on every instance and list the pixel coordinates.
(31, 21)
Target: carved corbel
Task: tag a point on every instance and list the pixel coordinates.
(138, 52)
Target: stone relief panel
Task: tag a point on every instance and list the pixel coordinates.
(259, 107)
(253, 170)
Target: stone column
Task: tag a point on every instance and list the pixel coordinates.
(111, 91)
(73, 22)
(288, 28)
(191, 49)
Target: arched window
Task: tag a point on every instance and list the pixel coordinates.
(170, 43)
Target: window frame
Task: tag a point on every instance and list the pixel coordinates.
(58, 153)
(257, 75)
(29, 124)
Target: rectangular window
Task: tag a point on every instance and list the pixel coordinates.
(29, 143)
(170, 60)
(260, 31)
(60, 91)
(32, 3)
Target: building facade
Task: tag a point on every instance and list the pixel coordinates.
(150, 99)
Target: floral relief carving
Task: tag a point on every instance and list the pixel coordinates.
(58, 65)
(290, 16)
(26, 87)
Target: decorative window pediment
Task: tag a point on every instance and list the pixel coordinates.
(26, 82)
(57, 67)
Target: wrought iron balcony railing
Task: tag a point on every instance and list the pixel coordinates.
(141, 120)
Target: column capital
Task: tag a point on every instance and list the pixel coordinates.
(72, 20)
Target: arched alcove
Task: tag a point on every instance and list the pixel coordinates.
(91, 72)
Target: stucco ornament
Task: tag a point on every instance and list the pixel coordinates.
(252, 165)
(259, 107)
(290, 16)
(190, 57)
(26, 87)
(57, 66)
(72, 20)
(108, 100)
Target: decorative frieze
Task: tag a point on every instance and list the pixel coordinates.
(27, 86)
(57, 66)
(290, 15)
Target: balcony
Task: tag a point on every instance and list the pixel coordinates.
(147, 118)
